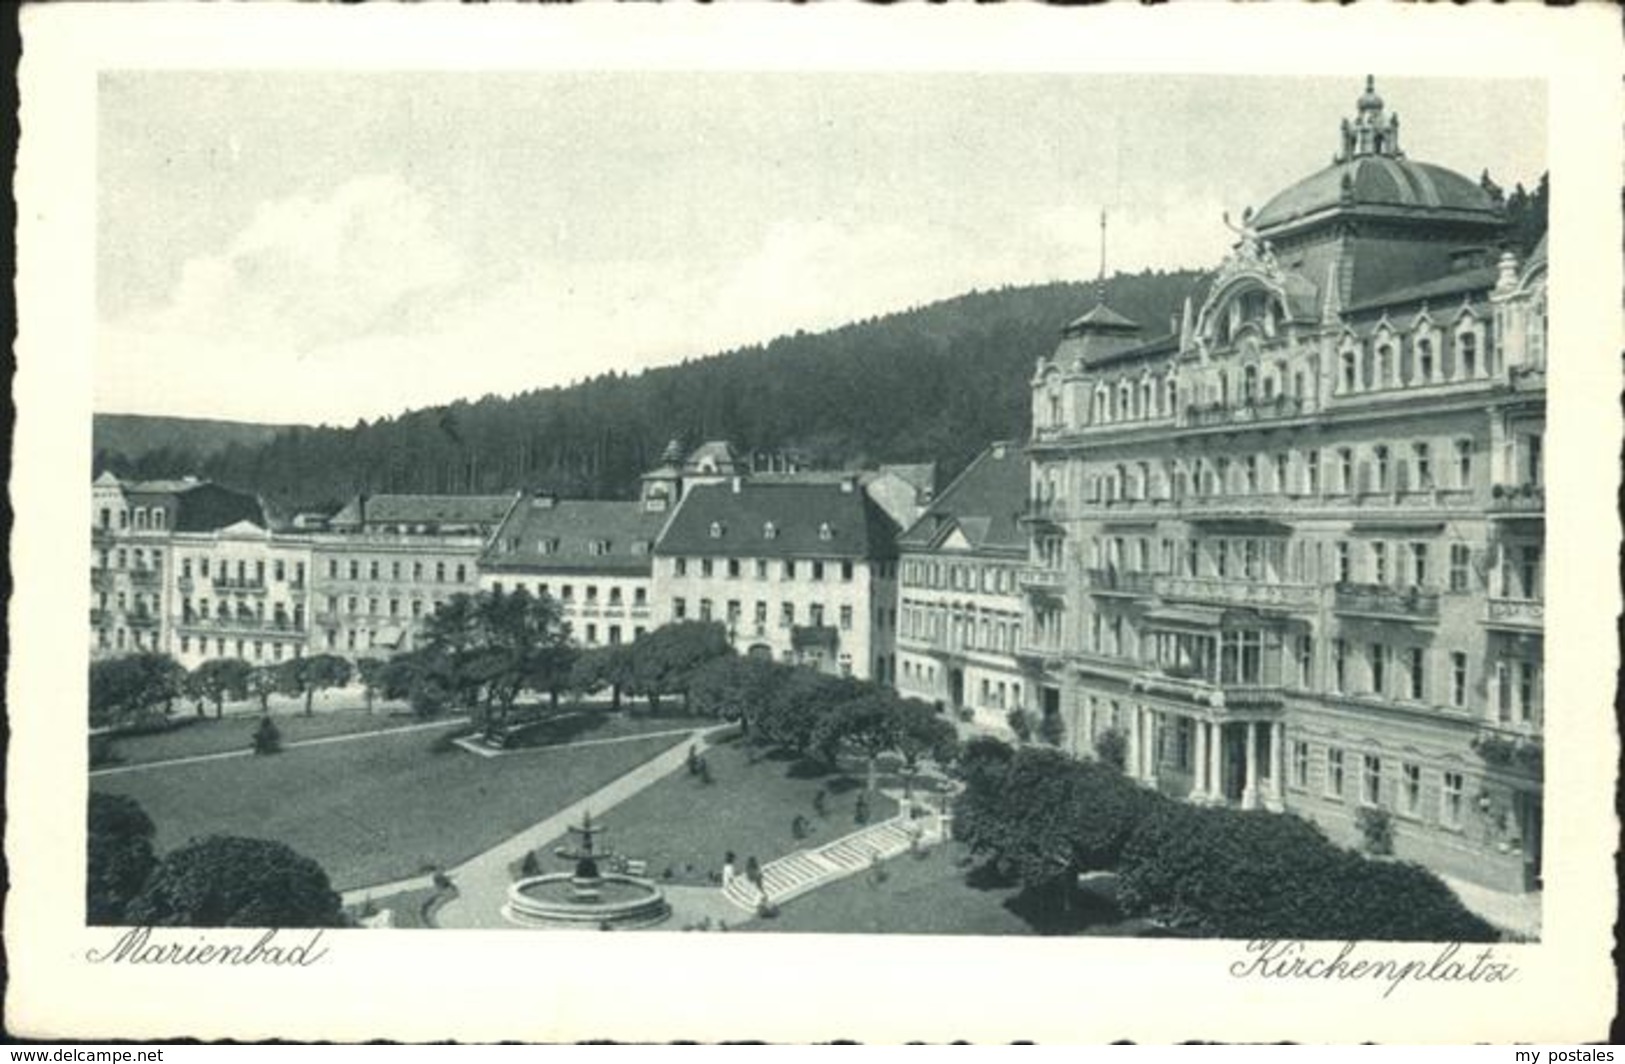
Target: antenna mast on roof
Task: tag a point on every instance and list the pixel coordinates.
(1100, 282)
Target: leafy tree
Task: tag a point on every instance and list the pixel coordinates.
(133, 685)
(265, 681)
(304, 676)
(664, 660)
(370, 671)
(423, 678)
(120, 856)
(732, 687)
(790, 713)
(225, 881)
(219, 679)
(865, 726)
(922, 732)
(596, 668)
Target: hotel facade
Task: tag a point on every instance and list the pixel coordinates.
(1292, 552)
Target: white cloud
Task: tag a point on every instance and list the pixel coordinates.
(305, 272)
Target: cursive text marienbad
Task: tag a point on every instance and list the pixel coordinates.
(137, 946)
(1290, 959)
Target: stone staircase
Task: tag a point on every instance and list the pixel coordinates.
(796, 873)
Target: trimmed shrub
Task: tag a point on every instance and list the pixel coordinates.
(267, 737)
(1232, 874)
(224, 881)
(1376, 830)
(1111, 748)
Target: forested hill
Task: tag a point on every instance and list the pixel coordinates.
(936, 382)
(137, 434)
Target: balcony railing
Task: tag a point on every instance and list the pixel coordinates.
(1238, 592)
(100, 536)
(1386, 603)
(1042, 578)
(98, 617)
(233, 583)
(146, 577)
(271, 626)
(1044, 510)
(1110, 581)
(1040, 652)
(1522, 614)
(101, 579)
(1518, 500)
(1517, 750)
(1193, 685)
(141, 619)
(1281, 406)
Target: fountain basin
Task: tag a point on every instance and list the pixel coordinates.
(557, 901)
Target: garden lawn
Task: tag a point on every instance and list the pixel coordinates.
(375, 809)
(686, 825)
(928, 895)
(574, 725)
(211, 735)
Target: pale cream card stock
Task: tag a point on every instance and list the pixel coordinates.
(482, 986)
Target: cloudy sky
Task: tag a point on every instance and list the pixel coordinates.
(303, 247)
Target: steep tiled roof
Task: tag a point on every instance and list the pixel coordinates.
(984, 503)
(580, 536)
(484, 510)
(1479, 279)
(740, 513)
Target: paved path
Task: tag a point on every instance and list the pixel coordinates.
(225, 755)
(482, 881)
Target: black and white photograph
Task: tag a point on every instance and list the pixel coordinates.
(1068, 511)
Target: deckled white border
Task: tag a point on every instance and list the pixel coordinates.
(479, 986)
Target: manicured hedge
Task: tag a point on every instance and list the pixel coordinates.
(1232, 874)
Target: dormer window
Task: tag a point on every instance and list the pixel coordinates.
(717, 528)
(826, 531)
(770, 530)
(640, 547)
(598, 547)
(547, 546)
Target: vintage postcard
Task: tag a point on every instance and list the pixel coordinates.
(784, 524)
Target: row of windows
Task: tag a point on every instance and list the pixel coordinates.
(1514, 570)
(398, 570)
(589, 593)
(137, 559)
(995, 694)
(1370, 789)
(243, 611)
(734, 614)
(242, 649)
(789, 569)
(961, 630)
(959, 576)
(243, 571)
(1394, 672)
(142, 518)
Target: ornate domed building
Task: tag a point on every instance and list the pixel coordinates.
(1292, 551)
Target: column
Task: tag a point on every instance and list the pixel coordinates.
(1131, 762)
(1277, 764)
(1152, 726)
(1199, 784)
(1215, 762)
(1249, 768)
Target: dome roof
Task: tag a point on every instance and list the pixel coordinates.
(1379, 181)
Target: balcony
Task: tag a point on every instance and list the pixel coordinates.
(141, 619)
(1044, 510)
(1262, 596)
(100, 536)
(1114, 581)
(328, 618)
(230, 583)
(1042, 578)
(1519, 615)
(1193, 685)
(1518, 751)
(274, 626)
(146, 577)
(1243, 413)
(101, 579)
(1376, 602)
(1043, 655)
(98, 617)
(1524, 501)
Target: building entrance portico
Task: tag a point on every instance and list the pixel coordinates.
(1209, 761)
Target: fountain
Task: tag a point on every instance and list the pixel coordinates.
(588, 897)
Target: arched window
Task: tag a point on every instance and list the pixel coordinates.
(1249, 385)
(1347, 380)
(1173, 397)
(1385, 365)
(1467, 355)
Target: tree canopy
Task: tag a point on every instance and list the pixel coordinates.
(125, 688)
(225, 881)
(120, 856)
